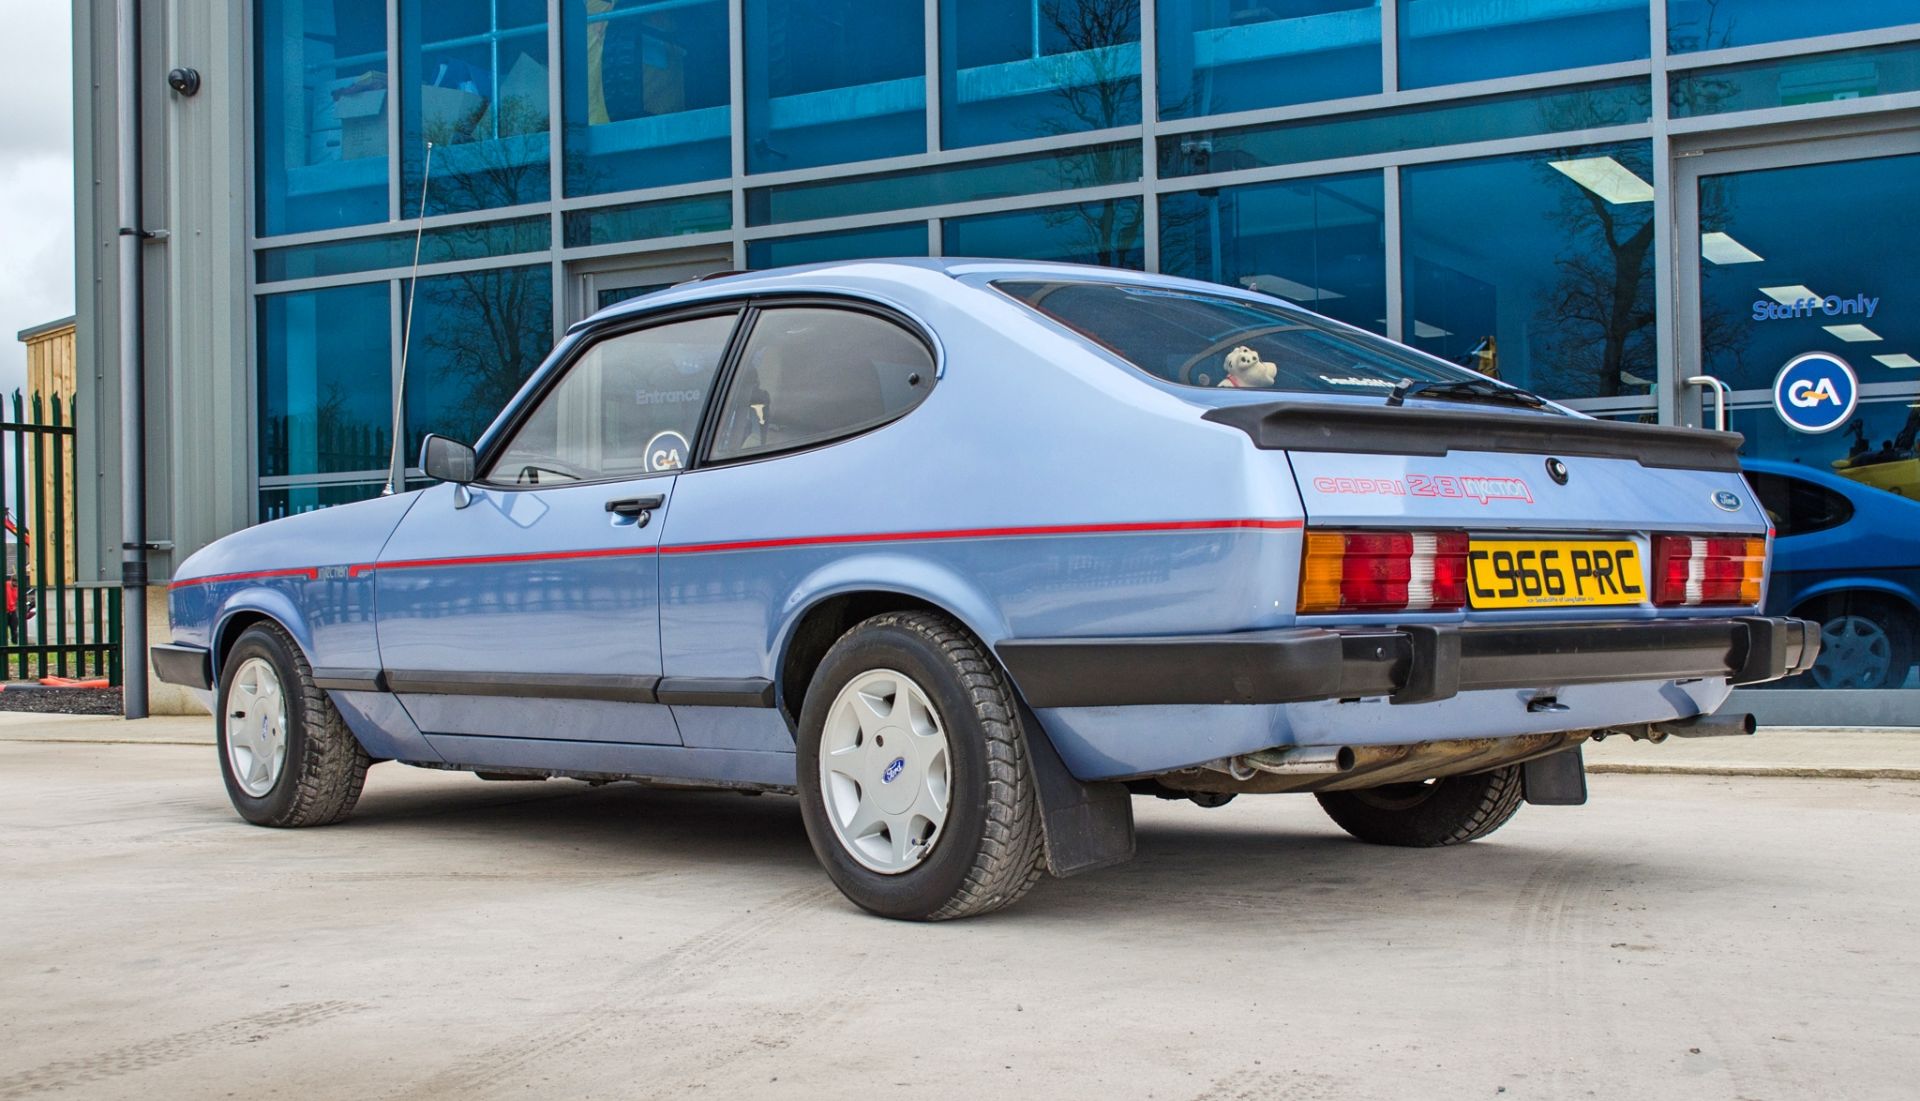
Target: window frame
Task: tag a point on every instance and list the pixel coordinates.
(589, 340)
(746, 310)
(703, 449)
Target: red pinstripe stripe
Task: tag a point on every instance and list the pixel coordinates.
(498, 559)
(983, 533)
(309, 572)
(1142, 528)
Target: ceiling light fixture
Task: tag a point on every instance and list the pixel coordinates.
(1607, 178)
(1721, 248)
(1852, 334)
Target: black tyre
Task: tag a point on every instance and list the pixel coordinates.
(914, 779)
(1447, 811)
(286, 756)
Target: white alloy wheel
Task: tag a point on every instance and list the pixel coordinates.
(884, 771)
(256, 722)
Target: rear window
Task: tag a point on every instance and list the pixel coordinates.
(1199, 339)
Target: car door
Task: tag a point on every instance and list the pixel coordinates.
(782, 467)
(518, 617)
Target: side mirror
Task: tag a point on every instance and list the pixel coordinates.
(446, 460)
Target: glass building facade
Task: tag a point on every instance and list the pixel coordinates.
(1597, 199)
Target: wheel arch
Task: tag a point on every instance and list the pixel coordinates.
(1858, 588)
(244, 610)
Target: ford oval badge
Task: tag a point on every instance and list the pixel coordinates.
(894, 768)
(1727, 500)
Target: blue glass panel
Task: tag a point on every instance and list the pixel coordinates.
(645, 94)
(279, 501)
(1013, 69)
(1426, 126)
(854, 244)
(1107, 233)
(639, 221)
(326, 380)
(1550, 286)
(476, 337)
(473, 81)
(1716, 24)
(1787, 82)
(1218, 57)
(1000, 177)
(321, 112)
(1775, 240)
(1451, 41)
(395, 250)
(1319, 242)
(1845, 511)
(832, 81)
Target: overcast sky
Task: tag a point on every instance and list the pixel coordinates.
(36, 176)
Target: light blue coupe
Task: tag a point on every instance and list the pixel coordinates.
(967, 553)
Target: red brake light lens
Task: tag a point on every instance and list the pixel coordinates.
(1693, 570)
(1365, 571)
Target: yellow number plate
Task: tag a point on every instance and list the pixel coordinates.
(1536, 573)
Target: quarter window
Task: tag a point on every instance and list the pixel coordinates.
(1798, 507)
(629, 406)
(810, 374)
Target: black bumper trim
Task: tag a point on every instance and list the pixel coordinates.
(183, 665)
(1414, 664)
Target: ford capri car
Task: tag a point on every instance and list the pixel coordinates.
(966, 554)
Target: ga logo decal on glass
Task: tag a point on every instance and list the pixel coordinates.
(1815, 392)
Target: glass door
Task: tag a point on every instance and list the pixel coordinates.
(597, 284)
(1798, 290)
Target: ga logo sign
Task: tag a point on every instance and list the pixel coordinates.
(1815, 392)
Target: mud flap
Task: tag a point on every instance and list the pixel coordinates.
(1556, 780)
(1085, 826)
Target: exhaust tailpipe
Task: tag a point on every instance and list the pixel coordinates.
(1708, 726)
(1302, 760)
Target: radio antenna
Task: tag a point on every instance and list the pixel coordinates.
(406, 336)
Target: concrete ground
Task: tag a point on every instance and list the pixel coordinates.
(1683, 936)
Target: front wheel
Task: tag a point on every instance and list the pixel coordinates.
(1423, 815)
(287, 757)
(914, 780)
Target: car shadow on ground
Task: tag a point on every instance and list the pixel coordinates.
(1247, 861)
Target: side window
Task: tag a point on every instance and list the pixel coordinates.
(811, 374)
(1797, 507)
(629, 405)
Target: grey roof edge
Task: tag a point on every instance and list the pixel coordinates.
(45, 327)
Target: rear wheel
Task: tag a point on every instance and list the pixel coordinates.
(914, 780)
(1448, 811)
(286, 756)
(1864, 643)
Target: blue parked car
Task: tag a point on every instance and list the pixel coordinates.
(1846, 556)
(968, 553)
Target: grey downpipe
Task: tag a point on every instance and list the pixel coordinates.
(133, 376)
(1708, 726)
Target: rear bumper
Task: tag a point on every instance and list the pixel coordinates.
(1411, 664)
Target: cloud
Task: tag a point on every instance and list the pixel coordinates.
(36, 177)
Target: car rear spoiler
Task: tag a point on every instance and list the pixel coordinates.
(1398, 430)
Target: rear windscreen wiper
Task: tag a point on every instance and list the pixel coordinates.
(1466, 389)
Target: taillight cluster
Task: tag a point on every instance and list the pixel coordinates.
(1356, 571)
(1689, 570)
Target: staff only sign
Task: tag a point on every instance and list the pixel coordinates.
(1815, 392)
